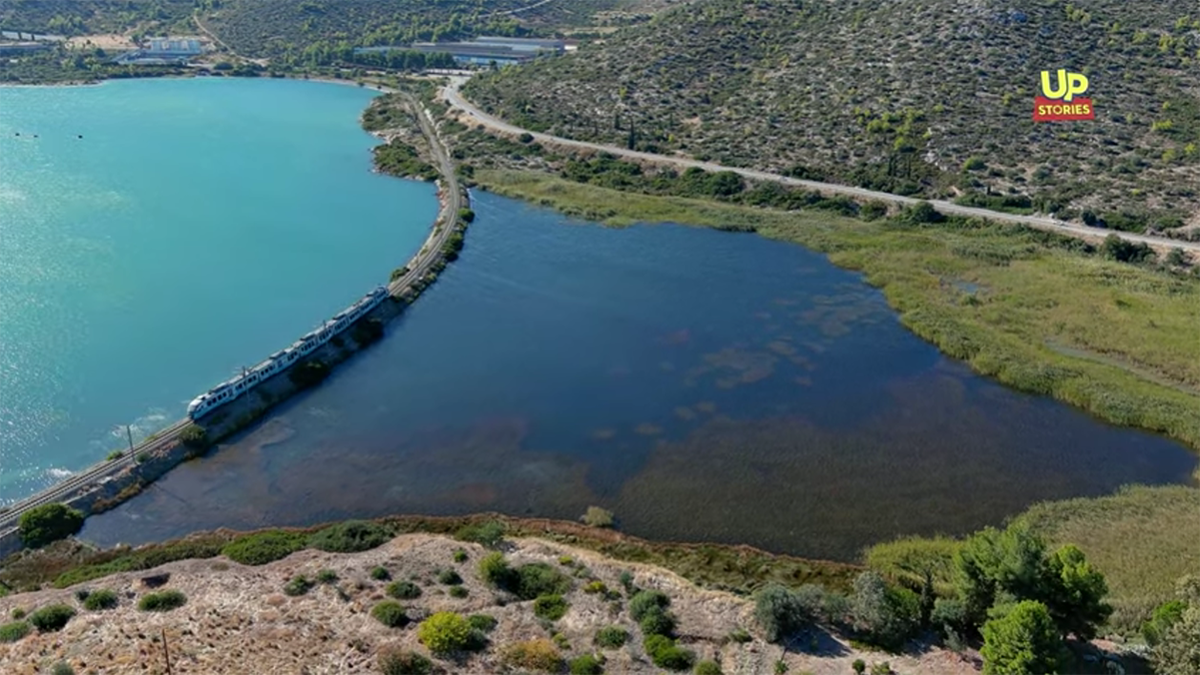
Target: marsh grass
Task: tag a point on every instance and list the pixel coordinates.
(1035, 293)
(1142, 538)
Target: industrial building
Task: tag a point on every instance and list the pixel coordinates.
(163, 51)
(484, 50)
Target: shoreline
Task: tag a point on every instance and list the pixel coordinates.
(106, 484)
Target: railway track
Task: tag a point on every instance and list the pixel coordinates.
(419, 266)
(94, 474)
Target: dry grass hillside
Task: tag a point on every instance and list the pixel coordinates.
(930, 97)
(238, 619)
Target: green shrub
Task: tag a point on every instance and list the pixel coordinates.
(586, 664)
(537, 579)
(596, 586)
(665, 654)
(11, 632)
(18, 613)
(644, 601)
(444, 632)
(488, 534)
(390, 613)
(394, 661)
(494, 570)
(780, 612)
(886, 616)
(657, 621)
(194, 436)
(404, 590)
(298, 585)
(163, 601)
(550, 607)
(449, 578)
(1023, 639)
(48, 523)
(859, 666)
(598, 517)
(482, 622)
(352, 536)
(380, 574)
(885, 668)
(612, 637)
(261, 548)
(460, 556)
(1165, 615)
(100, 600)
(51, 618)
(62, 668)
(459, 592)
(327, 576)
(540, 654)
(708, 668)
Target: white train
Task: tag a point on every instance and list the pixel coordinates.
(227, 391)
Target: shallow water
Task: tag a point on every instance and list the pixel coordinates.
(703, 385)
(197, 226)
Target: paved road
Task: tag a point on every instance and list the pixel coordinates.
(418, 267)
(454, 97)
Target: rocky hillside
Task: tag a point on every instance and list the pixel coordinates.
(237, 619)
(931, 97)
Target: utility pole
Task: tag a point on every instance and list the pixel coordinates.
(166, 652)
(129, 435)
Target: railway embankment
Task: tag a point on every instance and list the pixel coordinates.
(109, 483)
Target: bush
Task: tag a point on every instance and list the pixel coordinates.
(645, 601)
(612, 637)
(11, 632)
(18, 614)
(404, 590)
(540, 654)
(886, 616)
(261, 548)
(308, 374)
(444, 632)
(708, 668)
(390, 613)
(460, 556)
(163, 601)
(352, 536)
(380, 574)
(403, 662)
(194, 436)
(596, 586)
(48, 523)
(458, 592)
(327, 576)
(538, 579)
(740, 636)
(100, 600)
(449, 578)
(665, 654)
(657, 621)
(586, 664)
(488, 534)
(51, 618)
(299, 585)
(482, 622)
(598, 517)
(466, 215)
(550, 607)
(62, 668)
(1165, 615)
(859, 666)
(494, 570)
(780, 612)
(1023, 640)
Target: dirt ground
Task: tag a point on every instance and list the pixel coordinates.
(106, 41)
(238, 621)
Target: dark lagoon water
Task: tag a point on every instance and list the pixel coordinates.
(702, 385)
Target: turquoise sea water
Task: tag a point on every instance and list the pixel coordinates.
(195, 227)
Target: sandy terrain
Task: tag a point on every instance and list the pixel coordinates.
(237, 621)
(108, 41)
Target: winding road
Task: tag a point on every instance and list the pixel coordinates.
(453, 96)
